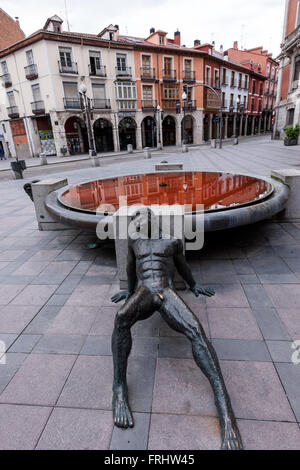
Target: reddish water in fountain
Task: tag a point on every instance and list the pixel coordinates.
(215, 191)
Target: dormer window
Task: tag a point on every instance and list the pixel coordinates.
(161, 40)
(56, 27)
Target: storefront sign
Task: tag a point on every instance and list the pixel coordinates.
(211, 100)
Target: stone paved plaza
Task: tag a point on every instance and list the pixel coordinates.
(56, 321)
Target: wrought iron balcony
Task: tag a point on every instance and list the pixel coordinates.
(225, 81)
(124, 72)
(31, 72)
(127, 105)
(188, 76)
(72, 103)
(38, 107)
(71, 67)
(169, 75)
(171, 105)
(240, 85)
(6, 79)
(101, 104)
(189, 105)
(233, 83)
(13, 112)
(147, 73)
(97, 71)
(149, 105)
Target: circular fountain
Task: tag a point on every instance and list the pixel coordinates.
(229, 200)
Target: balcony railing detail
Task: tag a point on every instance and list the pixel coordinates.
(127, 105)
(68, 68)
(72, 103)
(169, 75)
(13, 111)
(38, 107)
(123, 71)
(149, 105)
(6, 79)
(97, 71)
(188, 75)
(101, 104)
(189, 105)
(171, 105)
(147, 73)
(31, 72)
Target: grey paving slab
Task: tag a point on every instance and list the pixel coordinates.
(175, 347)
(25, 343)
(281, 351)
(145, 347)
(34, 295)
(291, 320)
(248, 279)
(256, 391)
(59, 344)
(6, 340)
(270, 324)
(75, 429)
(103, 323)
(21, 426)
(149, 327)
(233, 323)
(290, 377)
(231, 295)
(88, 295)
(132, 439)
(257, 297)
(97, 346)
(289, 278)
(39, 381)
(9, 367)
(241, 350)
(192, 394)
(14, 318)
(55, 272)
(43, 320)
(269, 435)
(10, 255)
(242, 266)
(8, 292)
(69, 284)
(171, 432)
(57, 300)
(31, 268)
(73, 320)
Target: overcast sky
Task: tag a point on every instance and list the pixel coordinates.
(253, 23)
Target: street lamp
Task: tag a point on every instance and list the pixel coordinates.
(184, 97)
(236, 139)
(82, 91)
(159, 146)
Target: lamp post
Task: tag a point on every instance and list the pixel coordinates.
(184, 97)
(82, 91)
(236, 137)
(158, 109)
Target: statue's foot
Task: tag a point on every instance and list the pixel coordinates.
(231, 436)
(122, 413)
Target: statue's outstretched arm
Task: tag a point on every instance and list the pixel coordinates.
(185, 271)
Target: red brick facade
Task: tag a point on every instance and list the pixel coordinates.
(10, 32)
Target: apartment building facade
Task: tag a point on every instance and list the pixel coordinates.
(288, 96)
(134, 88)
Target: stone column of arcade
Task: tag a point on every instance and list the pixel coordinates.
(139, 143)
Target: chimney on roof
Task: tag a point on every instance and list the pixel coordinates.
(152, 30)
(221, 48)
(226, 55)
(213, 44)
(197, 42)
(235, 45)
(17, 21)
(177, 37)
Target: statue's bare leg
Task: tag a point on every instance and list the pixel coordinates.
(179, 317)
(139, 307)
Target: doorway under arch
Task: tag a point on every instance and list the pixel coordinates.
(103, 134)
(169, 131)
(127, 133)
(187, 129)
(149, 131)
(76, 135)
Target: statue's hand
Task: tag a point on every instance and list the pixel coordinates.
(198, 290)
(123, 295)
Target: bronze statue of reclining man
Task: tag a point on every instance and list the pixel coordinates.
(151, 268)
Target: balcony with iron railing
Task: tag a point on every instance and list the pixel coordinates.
(123, 72)
(225, 81)
(72, 103)
(70, 67)
(171, 105)
(188, 76)
(101, 104)
(189, 105)
(6, 79)
(31, 72)
(13, 112)
(127, 105)
(233, 83)
(38, 107)
(97, 71)
(149, 105)
(147, 73)
(169, 75)
(240, 85)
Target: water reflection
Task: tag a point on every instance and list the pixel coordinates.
(215, 190)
